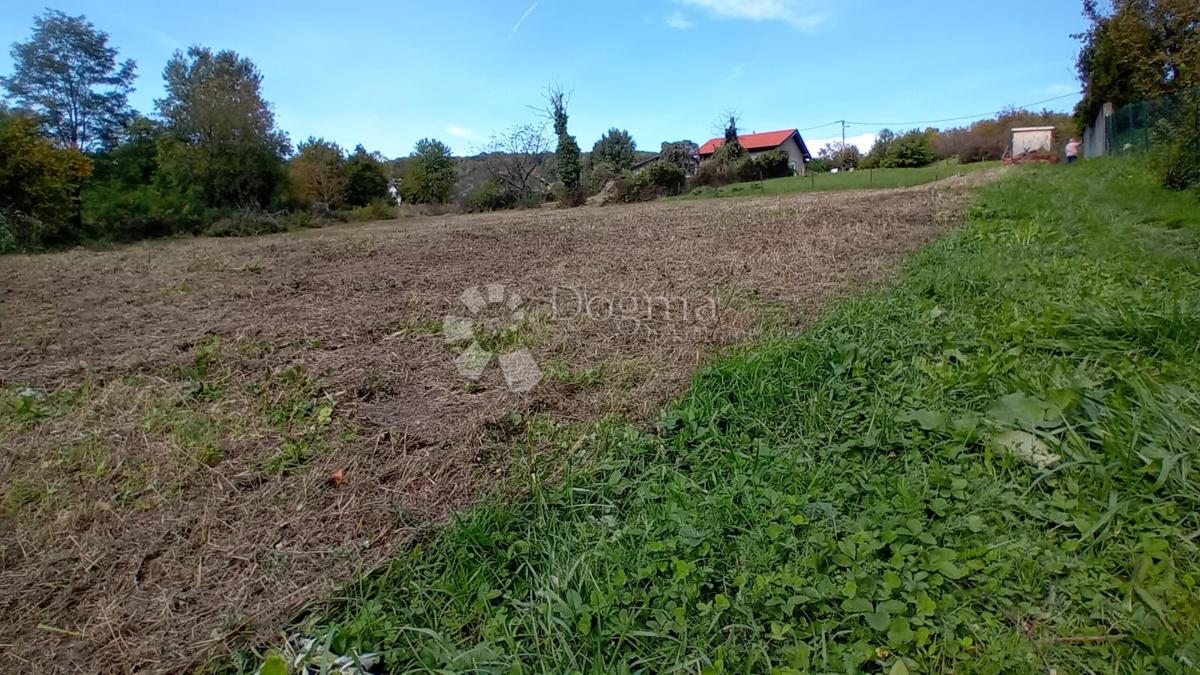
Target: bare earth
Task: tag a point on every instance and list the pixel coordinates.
(199, 436)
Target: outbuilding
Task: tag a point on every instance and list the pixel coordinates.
(1032, 140)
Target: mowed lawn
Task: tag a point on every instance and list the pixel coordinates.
(865, 179)
(990, 467)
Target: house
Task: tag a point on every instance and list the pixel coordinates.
(787, 140)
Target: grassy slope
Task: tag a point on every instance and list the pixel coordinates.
(854, 180)
(835, 502)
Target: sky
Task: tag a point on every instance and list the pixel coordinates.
(385, 74)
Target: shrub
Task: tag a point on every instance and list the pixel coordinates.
(118, 212)
(245, 223)
(598, 176)
(712, 174)
(773, 164)
(22, 232)
(38, 185)
(1176, 154)
(910, 151)
(656, 180)
(666, 178)
(488, 197)
(299, 220)
(570, 197)
(379, 209)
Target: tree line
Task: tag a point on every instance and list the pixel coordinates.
(78, 163)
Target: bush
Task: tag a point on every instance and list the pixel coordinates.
(910, 151)
(765, 165)
(117, 212)
(488, 197)
(379, 209)
(1176, 154)
(570, 197)
(245, 223)
(299, 220)
(660, 178)
(598, 176)
(22, 232)
(666, 178)
(712, 174)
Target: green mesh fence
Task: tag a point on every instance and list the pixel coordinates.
(1137, 127)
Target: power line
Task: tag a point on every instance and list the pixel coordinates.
(959, 119)
(821, 126)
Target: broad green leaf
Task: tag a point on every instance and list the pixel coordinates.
(274, 665)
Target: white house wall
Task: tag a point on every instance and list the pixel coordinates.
(792, 149)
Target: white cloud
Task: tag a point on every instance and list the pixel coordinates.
(803, 14)
(460, 132)
(679, 21)
(862, 141)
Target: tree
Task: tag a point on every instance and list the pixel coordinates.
(731, 150)
(38, 185)
(134, 161)
(842, 157)
(683, 154)
(68, 74)
(1143, 49)
(365, 178)
(514, 158)
(317, 172)
(876, 156)
(912, 150)
(570, 159)
(128, 197)
(615, 147)
(429, 174)
(226, 147)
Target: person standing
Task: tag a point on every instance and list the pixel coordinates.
(1072, 150)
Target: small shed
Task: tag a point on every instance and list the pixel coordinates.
(1031, 140)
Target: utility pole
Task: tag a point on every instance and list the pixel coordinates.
(843, 123)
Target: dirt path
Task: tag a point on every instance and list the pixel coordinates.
(198, 436)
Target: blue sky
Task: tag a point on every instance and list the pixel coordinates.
(388, 73)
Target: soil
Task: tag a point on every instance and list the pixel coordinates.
(148, 524)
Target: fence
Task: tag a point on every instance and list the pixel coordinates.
(1138, 127)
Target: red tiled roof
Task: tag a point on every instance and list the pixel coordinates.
(763, 141)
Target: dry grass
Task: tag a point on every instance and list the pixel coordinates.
(196, 437)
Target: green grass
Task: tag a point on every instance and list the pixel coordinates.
(844, 501)
(853, 180)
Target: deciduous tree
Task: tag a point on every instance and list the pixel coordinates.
(38, 185)
(366, 180)
(70, 76)
(429, 174)
(683, 154)
(841, 156)
(513, 159)
(226, 145)
(317, 172)
(1141, 50)
(570, 159)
